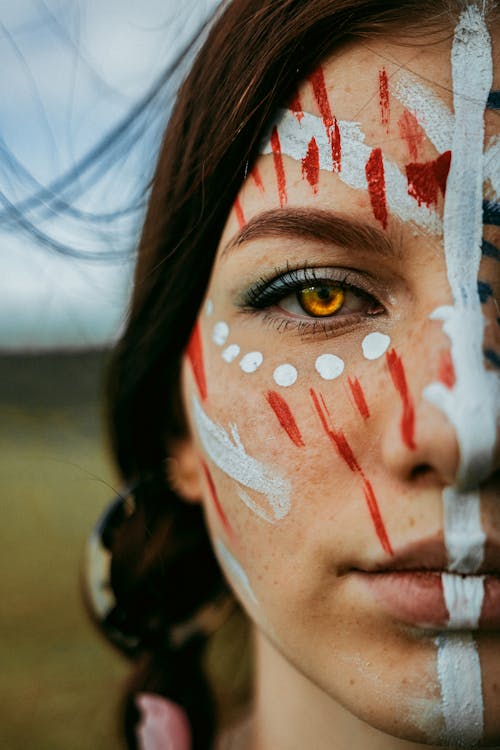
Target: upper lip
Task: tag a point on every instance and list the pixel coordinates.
(430, 555)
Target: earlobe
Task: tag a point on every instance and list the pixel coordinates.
(183, 470)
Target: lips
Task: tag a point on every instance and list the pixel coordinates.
(415, 588)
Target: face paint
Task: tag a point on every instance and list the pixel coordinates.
(285, 375)
(375, 177)
(426, 181)
(194, 353)
(230, 456)
(230, 353)
(383, 88)
(398, 375)
(329, 121)
(329, 366)
(285, 417)
(220, 333)
(235, 572)
(240, 216)
(215, 499)
(251, 362)
(464, 600)
(345, 452)
(411, 132)
(375, 345)
(278, 166)
(359, 397)
(310, 164)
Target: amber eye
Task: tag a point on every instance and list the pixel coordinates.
(321, 300)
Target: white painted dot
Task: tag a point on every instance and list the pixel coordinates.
(285, 375)
(220, 333)
(209, 307)
(230, 353)
(375, 345)
(329, 366)
(251, 361)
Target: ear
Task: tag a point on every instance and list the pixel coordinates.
(183, 470)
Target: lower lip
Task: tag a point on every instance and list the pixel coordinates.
(417, 598)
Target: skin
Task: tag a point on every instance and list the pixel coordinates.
(333, 668)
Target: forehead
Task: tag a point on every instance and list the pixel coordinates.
(387, 100)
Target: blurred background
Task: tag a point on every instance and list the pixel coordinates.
(85, 93)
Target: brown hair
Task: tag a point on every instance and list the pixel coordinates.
(254, 55)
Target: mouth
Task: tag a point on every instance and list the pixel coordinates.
(416, 587)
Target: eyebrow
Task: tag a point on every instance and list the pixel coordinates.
(314, 224)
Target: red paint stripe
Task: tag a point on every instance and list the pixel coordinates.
(376, 516)
(336, 147)
(320, 92)
(296, 106)
(285, 417)
(383, 90)
(345, 451)
(278, 166)
(336, 436)
(310, 164)
(359, 397)
(240, 216)
(411, 132)
(427, 180)
(194, 353)
(218, 507)
(255, 174)
(375, 176)
(446, 372)
(398, 375)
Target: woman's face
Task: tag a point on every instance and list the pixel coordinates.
(342, 386)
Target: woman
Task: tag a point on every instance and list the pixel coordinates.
(310, 375)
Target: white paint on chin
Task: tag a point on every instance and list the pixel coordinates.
(228, 453)
(375, 345)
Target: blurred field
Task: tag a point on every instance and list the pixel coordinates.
(60, 683)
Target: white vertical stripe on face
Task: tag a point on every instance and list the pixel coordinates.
(228, 453)
(464, 534)
(471, 405)
(459, 672)
(464, 598)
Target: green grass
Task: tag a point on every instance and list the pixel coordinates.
(61, 683)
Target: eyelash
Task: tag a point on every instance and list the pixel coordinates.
(267, 293)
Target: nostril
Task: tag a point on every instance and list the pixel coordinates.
(422, 471)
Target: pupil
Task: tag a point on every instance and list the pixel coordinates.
(324, 293)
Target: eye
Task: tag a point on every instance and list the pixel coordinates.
(323, 300)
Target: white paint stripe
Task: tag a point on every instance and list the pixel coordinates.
(464, 598)
(464, 534)
(473, 404)
(431, 112)
(459, 672)
(295, 137)
(228, 453)
(438, 122)
(234, 571)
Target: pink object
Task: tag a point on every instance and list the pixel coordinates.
(163, 726)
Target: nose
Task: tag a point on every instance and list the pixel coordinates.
(444, 431)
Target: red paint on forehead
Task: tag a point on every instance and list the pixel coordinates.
(345, 451)
(240, 216)
(320, 92)
(383, 90)
(359, 397)
(285, 417)
(375, 175)
(398, 375)
(255, 175)
(411, 132)
(446, 373)
(296, 106)
(427, 180)
(194, 353)
(310, 164)
(336, 147)
(215, 498)
(278, 166)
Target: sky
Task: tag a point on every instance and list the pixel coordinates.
(72, 72)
